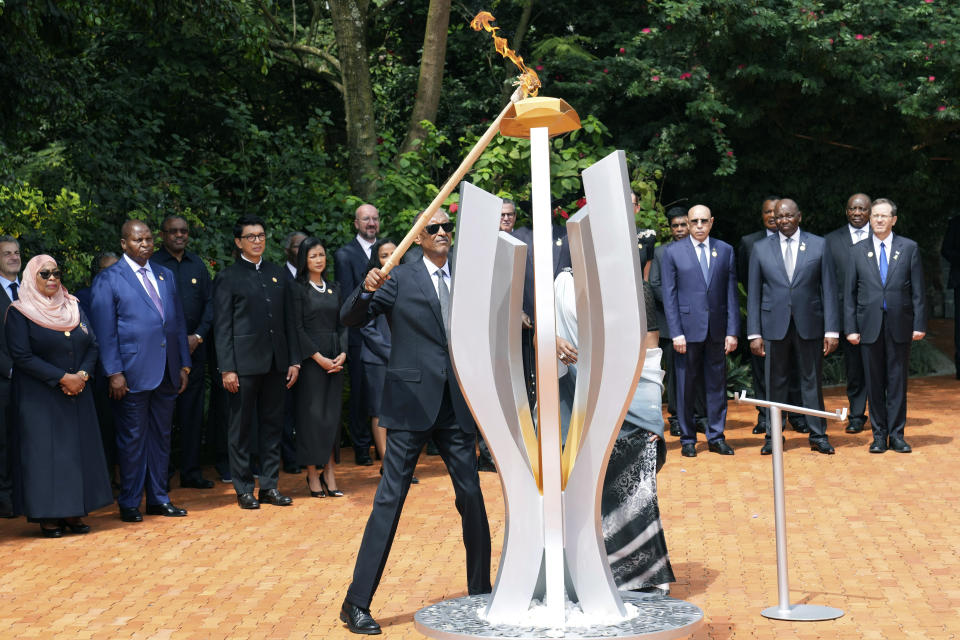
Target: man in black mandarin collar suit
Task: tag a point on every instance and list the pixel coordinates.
(9, 275)
(839, 244)
(258, 355)
(421, 399)
(792, 315)
(350, 267)
(884, 309)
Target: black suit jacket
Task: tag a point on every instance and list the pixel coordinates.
(419, 364)
(950, 250)
(6, 363)
(350, 268)
(744, 251)
(810, 298)
(838, 246)
(656, 285)
(561, 260)
(252, 323)
(903, 292)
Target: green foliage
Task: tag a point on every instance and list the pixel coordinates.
(739, 376)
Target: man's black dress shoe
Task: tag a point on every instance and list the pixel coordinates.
(822, 446)
(900, 445)
(247, 501)
(766, 449)
(196, 483)
(165, 509)
(854, 427)
(675, 430)
(801, 428)
(364, 459)
(721, 447)
(688, 451)
(879, 445)
(76, 527)
(760, 428)
(484, 464)
(130, 514)
(54, 532)
(292, 469)
(358, 620)
(274, 497)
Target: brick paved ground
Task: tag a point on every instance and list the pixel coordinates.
(876, 536)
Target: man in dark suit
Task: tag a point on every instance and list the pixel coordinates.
(884, 310)
(792, 315)
(703, 318)
(139, 325)
(288, 446)
(744, 249)
(350, 267)
(421, 399)
(950, 250)
(196, 291)
(10, 284)
(840, 243)
(258, 356)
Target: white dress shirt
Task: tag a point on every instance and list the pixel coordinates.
(888, 244)
(696, 248)
(856, 235)
(136, 271)
(432, 270)
(365, 244)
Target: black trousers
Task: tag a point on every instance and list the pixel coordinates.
(357, 404)
(856, 381)
(189, 417)
(458, 450)
(887, 365)
(805, 358)
(6, 443)
(262, 395)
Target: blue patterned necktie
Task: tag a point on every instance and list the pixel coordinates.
(703, 262)
(883, 264)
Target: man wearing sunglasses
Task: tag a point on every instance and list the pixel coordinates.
(139, 324)
(10, 285)
(703, 317)
(421, 399)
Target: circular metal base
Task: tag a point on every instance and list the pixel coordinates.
(657, 618)
(802, 612)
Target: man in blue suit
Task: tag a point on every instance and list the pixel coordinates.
(699, 280)
(793, 319)
(139, 324)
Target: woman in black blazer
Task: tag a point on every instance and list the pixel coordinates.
(315, 306)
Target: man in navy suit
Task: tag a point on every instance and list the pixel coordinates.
(792, 315)
(350, 268)
(139, 324)
(703, 316)
(839, 244)
(9, 287)
(421, 400)
(884, 309)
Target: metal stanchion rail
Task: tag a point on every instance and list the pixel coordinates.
(784, 610)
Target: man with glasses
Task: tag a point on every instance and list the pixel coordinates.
(10, 285)
(884, 311)
(792, 316)
(421, 399)
(350, 267)
(258, 356)
(195, 290)
(703, 317)
(840, 243)
(139, 324)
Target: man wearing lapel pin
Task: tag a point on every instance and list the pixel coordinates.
(703, 317)
(884, 310)
(421, 399)
(792, 315)
(139, 325)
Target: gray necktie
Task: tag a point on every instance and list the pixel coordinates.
(703, 262)
(444, 294)
(860, 234)
(151, 291)
(788, 260)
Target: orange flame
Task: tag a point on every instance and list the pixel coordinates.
(528, 80)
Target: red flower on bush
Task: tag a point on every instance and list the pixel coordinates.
(730, 154)
(931, 78)
(581, 203)
(454, 207)
(645, 30)
(859, 36)
(685, 75)
(655, 78)
(622, 50)
(942, 107)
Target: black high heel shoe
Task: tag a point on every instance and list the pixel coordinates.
(76, 527)
(316, 494)
(333, 493)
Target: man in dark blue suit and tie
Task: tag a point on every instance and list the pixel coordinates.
(140, 326)
(793, 320)
(703, 316)
(884, 309)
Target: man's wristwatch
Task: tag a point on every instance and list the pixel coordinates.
(83, 374)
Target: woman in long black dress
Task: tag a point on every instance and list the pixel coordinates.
(63, 473)
(323, 341)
